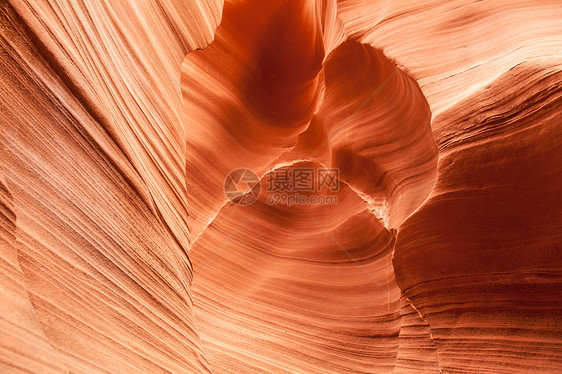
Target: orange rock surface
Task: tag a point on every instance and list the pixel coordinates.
(281, 186)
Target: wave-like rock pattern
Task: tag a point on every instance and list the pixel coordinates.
(250, 94)
(456, 48)
(291, 289)
(325, 104)
(121, 253)
(92, 150)
(481, 258)
(392, 158)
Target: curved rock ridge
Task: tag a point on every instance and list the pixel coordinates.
(456, 48)
(251, 322)
(481, 258)
(249, 94)
(395, 203)
(122, 60)
(293, 289)
(239, 115)
(21, 331)
(374, 126)
(95, 273)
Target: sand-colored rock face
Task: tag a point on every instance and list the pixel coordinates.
(402, 166)
(481, 258)
(95, 273)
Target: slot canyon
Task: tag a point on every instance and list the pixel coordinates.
(281, 186)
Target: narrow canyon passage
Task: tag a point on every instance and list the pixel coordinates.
(280, 186)
(308, 286)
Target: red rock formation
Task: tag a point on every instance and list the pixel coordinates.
(436, 248)
(291, 289)
(481, 258)
(456, 48)
(248, 95)
(95, 272)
